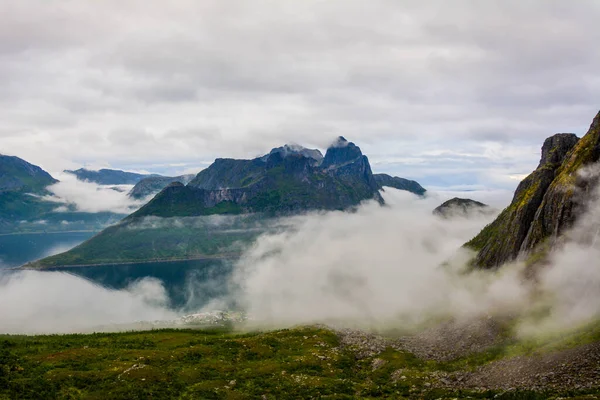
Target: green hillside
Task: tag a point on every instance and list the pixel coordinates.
(299, 363)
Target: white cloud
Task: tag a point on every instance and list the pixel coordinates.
(50, 302)
(91, 197)
(199, 80)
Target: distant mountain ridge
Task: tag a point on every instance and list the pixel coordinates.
(288, 180)
(109, 176)
(154, 184)
(385, 180)
(546, 203)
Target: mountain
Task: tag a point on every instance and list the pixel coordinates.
(179, 221)
(385, 180)
(282, 183)
(21, 186)
(24, 208)
(460, 207)
(154, 184)
(109, 176)
(17, 175)
(545, 204)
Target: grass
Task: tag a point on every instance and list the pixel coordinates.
(305, 362)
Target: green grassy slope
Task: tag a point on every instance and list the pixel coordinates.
(157, 239)
(298, 363)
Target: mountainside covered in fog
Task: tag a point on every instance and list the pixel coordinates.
(546, 203)
(24, 204)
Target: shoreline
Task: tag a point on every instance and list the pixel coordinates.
(48, 233)
(167, 260)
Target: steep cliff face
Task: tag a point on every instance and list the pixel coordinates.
(545, 204)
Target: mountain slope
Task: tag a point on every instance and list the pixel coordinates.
(109, 176)
(395, 182)
(545, 204)
(17, 174)
(21, 185)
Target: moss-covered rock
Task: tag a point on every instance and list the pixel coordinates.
(540, 207)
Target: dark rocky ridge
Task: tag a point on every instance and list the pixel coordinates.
(460, 207)
(227, 173)
(385, 180)
(545, 204)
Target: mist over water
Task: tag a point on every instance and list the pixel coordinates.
(396, 266)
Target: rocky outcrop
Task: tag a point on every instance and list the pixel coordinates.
(545, 204)
(458, 207)
(385, 180)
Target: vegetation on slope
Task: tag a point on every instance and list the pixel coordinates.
(298, 363)
(543, 205)
(157, 239)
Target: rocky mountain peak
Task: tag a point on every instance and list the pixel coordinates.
(556, 147)
(341, 152)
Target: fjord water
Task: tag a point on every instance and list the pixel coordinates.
(18, 249)
(189, 284)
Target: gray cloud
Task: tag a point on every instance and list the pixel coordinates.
(126, 83)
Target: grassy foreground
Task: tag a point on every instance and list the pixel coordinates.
(221, 364)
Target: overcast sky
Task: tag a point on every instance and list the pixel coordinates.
(449, 93)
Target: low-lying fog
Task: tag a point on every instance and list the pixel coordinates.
(392, 266)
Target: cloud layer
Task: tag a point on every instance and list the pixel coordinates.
(91, 197)
(460, 93)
